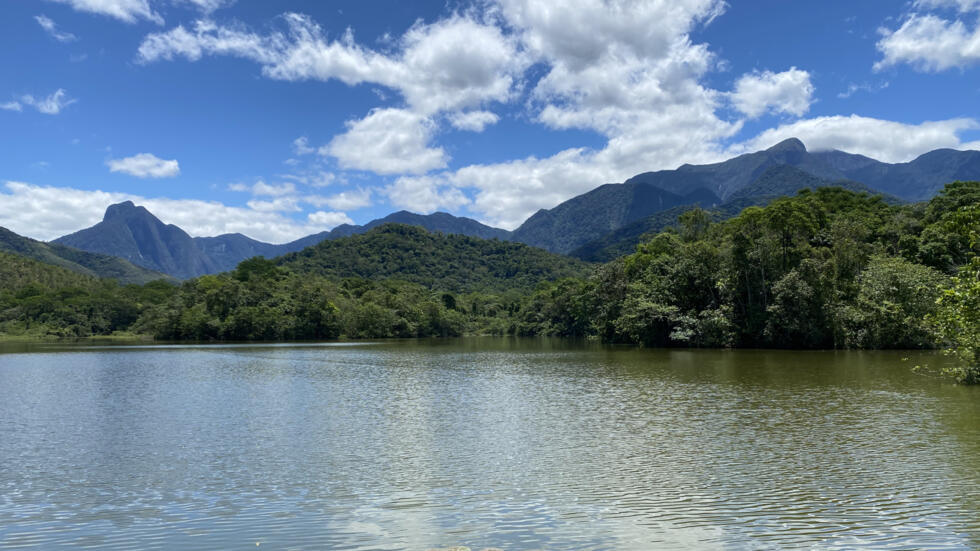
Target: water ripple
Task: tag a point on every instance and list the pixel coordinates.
(484, 443)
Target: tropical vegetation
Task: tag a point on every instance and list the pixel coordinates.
(826, 268)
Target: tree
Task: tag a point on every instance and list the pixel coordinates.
(957, 321)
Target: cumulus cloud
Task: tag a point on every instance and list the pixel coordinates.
(128, 11)
(47, 213)
(614, 66)
(786, 92)
(628, 71)
(345, 200)
(930, 43)
(51, 28)
(425, 194)
(474, 121)
(388, 141)
(145, 165)
(11, 106)
(887, 141)
(448, 65)
(50, 105)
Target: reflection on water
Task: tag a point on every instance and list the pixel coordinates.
(503, 443)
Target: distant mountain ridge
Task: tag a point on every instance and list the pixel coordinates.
(777, 181)
(132, 233)
(606, 220)
(915, 180)
(594, 225)
(600, 211)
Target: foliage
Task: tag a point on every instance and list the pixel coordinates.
(827, 268)
(957, 320)
(86, 263)
(455, 263)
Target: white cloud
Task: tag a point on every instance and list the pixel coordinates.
(51, 105)
(854, 88)
(448, 65)
(615, 66)
(314, 178)
(425, 194)
(887, 141)
(387, 141)
(11, 106)
(262, 188)
(474, 121)
(962, 6)
(47, 213)
(627, 70)
(208, 6)
(345, 200)
(128, 11)
(786, 92)
(52, 29)
(301, 146)
(930, 43)
(145, 165)
(279, 204)
(328, 220)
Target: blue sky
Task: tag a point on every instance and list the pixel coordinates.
(280, 119)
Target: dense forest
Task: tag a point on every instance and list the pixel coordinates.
(827, 268)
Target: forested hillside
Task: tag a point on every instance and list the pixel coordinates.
(82, 262)
(775, 182)
(827, 268)
(41, 300)
(437, 261)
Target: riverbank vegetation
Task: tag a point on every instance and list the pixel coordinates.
(827, 268)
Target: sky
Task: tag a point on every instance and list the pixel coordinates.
(282, 119)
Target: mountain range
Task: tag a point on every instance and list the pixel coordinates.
(598, 225)
(136, 235)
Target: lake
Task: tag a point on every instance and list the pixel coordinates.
(504, 443)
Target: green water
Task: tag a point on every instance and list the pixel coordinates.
(482, 442)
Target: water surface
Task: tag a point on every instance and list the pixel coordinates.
(516, 444)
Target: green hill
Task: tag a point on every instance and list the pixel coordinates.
(85, 263)
(437, 261)
(19, 272)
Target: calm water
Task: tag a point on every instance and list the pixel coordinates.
(484, 443)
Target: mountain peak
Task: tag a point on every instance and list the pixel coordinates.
(119, 209)
(790, 144)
